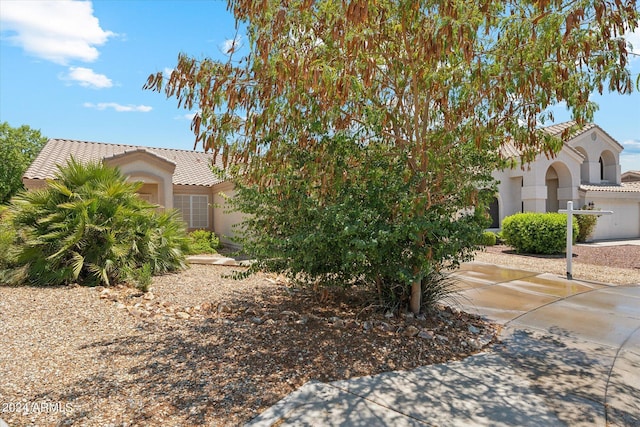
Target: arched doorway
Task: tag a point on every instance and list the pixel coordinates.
(560, 188)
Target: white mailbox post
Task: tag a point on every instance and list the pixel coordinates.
(570, 212)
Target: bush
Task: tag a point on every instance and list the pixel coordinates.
(537, 233)
(363, 231)
(7, 238)
(203, 242)
(90, 227)
(586, 224)
(489, 238)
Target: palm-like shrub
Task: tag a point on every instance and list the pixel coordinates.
(89, 226)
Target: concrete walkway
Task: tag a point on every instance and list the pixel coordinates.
(569, 355)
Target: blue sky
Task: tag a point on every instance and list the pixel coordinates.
(75, 70)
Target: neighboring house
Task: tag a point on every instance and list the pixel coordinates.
(179, 179)
(585, 171)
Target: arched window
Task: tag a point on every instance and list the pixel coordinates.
(494, 212)
(601, 169)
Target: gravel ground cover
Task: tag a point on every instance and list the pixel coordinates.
(200, 348)
(618, 265)
(204, 349)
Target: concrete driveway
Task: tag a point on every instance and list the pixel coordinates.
(569, 355)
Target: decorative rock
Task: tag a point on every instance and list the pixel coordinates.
(287, 313)
(485, 339)
(206, 306)
(426, 334)
(256, 320)
(411, 331)
(475, 344)
(120, 305)
(135, 311)
(442, 338)
(389, 315)
(148, 296)
(352, 324)
(421, 317)
(386, 327)
(224, 308)
(303, 320)
(270, 322)
(182, 315)
(474, 330)
(105, 294)
(367, 325)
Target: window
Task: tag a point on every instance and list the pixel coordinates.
(601, 169)
(194, 209)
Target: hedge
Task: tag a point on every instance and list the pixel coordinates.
(537, 233)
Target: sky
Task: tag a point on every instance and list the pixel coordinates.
(75, 70)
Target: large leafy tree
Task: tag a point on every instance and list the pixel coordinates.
(438, 86)
(18, 148)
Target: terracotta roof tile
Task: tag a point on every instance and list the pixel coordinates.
(625, 187)
(192, 167)
(557, 129)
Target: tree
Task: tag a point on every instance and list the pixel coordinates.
(18, 148)
(439, 86)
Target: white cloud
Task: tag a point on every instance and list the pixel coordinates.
(88, 78)
(187, 116)
(632, 145)
(231, 45)
(118, 107)
(634, 39)
(58, 31)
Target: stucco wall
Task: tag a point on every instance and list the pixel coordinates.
(595, 144)
(624, 223)
(147, 168)
(224, 221)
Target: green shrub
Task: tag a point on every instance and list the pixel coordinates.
(362, 232)
(7, 238)
(203, 242)
(90, 227)
(489, 238)
(142, 277)
(537, 233)
(586, 224)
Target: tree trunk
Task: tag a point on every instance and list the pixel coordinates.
(416, 296)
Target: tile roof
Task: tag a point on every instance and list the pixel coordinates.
(509, 150)
(631, 176)
(556, 130)
(192, 167)
(625, 187)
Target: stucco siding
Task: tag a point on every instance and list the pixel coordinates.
(624, 223)
(223, 220)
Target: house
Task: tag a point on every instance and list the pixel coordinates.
(585, 171)
(179, 179)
